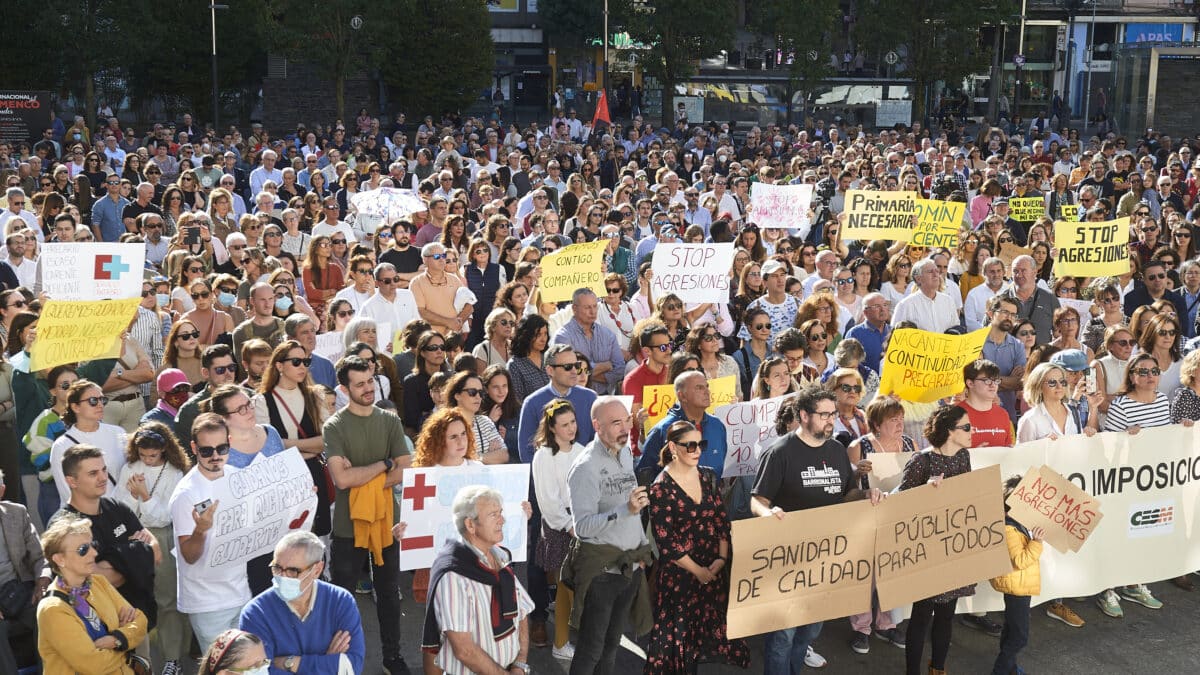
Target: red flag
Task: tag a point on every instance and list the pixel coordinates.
(601, 110)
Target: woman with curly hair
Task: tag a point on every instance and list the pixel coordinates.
(822, 307)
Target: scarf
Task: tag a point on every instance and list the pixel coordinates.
(78, 595)
(461, 559)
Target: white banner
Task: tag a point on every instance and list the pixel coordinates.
(258, 505)
(1084, 308)
(330, 345)
(781, 206)
(95, 271)
(749, 427)
(429, 495)
(694, 272)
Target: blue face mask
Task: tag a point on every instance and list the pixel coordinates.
(287, 589)
(227, 299)
(163, 299)
(283, 304)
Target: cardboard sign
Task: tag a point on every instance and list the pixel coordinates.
(258, 505)
(658, 398)
(887, 469)
(93, 271)
(931, 540)
(1010, 252)
(1026, 209)
(1069, 211)
(938, 223)
(875, 214)
(1046, 499)
(71, 331)
(694, 272)
(749, 427)
(572, 267)
(922, 366)
(1092, 249)
(810, 566)
(780, 206)
(429, 495)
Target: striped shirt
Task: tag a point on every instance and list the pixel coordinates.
(1125, 412)
(465, 606)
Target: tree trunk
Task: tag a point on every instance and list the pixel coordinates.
(339, 93)
(668, 106)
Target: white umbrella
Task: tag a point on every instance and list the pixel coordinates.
(388, 204)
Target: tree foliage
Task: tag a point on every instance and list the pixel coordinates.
(797, 27)
(320, 33)
(570, 24)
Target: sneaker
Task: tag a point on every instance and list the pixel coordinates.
(396, 666)
(982, 624)
(814, 660)
(364, 587)
(860, 643)
(1183, 583)
(1057, 610)
(1110, 604)
(171, 668)
(1141, 595)
(892, 635)
(566, 652)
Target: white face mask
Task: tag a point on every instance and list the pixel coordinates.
(264, 669)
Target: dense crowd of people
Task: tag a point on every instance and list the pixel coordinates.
(280, 309)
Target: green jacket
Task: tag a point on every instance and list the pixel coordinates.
(584, 561)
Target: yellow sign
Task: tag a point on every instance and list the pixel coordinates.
(1092, 249)
(875, 214)
(1027, 209)
(572, 267)
(658, 398)
(1069, 211)
(923, 367)
(938, 223)
(71, 331)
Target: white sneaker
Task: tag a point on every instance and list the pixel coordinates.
(566, 653)
(814, 660)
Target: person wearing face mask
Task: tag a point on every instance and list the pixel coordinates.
(173, 391)
(306, 625)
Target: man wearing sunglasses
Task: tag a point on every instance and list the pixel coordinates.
(218, 368)
(1152, 289)
(692, 398)
(390, 304)
(433, 291)
(656, 359)
(212, 598)
(262, 324)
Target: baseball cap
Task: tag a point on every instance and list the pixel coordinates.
(1000, 200)
(170, 378)
(1072, 360)
(772, 266)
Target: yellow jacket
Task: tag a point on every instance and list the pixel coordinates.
(1026, 577)
(371, 512)
(63, 640)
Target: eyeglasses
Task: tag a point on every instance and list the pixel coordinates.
(95, 400)
(472, 392)
(992, 381)
(204, 295)
(289, 572)
(1156, 277)
(188, 336)
(845, 282)
(337, 241)
(1026, 333)
(672, 306)
(850, 388)
(84, 548)
(1167, 332)
(240, 410)
(1057, 384)
(436, 256)
(693, 446)
(207, 451)
(1069, 289)
(22, 303)
(297, 361)
(1123, 343)
(710, 337)
(818, 336)
(614, 291)
(565, 366)
(389, 281)
(1183, 235)
(433, 348)
(963, 427)
(763, 326)
(1147, 372)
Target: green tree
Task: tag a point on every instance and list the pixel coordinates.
(797, 27)
(941, 37)
(320, 33)
(571, 25)
(680, 33)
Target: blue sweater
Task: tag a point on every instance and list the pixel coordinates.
(581, 399)
(283, 634)
(711, 430)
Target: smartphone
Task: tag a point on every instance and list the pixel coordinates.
(192, 236)
(203, 506)
(1091, 381)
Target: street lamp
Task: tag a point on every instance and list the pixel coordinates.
(216, 101)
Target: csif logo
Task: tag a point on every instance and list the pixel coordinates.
(1153, 519)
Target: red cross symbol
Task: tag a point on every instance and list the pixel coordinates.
(419, 492)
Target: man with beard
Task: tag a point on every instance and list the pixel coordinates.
(405, 258)
(804, 469)
(1007, 355)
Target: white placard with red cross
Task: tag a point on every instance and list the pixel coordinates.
(429, 495)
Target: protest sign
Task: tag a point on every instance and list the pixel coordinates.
(887, 469)
(429, 495)
(938, 223)
(875, 214)
(694, 272)
(1045, 499)
(1083, 307)
(24, 114)
(780, 206)
(1026, 209)
(258, 505)
(810, 566)
(922, 366)
(94, 271)
(330, 345)
(572, 267)
(930, 539)
(749, 427)
(658, 398)
(1069, 211)
(383, 336)
(1009, 252)
(1090, 249)
(70, 331)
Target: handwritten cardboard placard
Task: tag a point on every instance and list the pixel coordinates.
(1087, 249)
(749, 428)
(938, 223)
(930, 540)
(1044, 498)
(887, 469)
(1010, 252)
(71, 331)
(810, 566)
(658, 398)
(923, 366)
(694, 272)
(1027, 209)
(572, 267)
(876, 214)
(780, 206)
(93, 271)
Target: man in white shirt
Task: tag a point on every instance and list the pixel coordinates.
(725, 201)
(266, 172)
(827, 264)
(331, 225)
(975, 307)
(390, 304)
(363, 286)
(928, 308)
(16, 209)
(25, 269)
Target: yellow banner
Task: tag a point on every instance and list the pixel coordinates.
(1027, 209)
(938, 223)
(923, 367)
(70, 331)
(572, 267)
(1092, 249)
(658, 398)
(875, 214)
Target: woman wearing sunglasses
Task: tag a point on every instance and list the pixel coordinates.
(41, 434)
(484, 278)
(12, 303)
(948, 431)
(84, 418)
(210, 321)
(431, 358)
(182, 351)
(288, 402)
(464, 391)
(322, 278)
(847, 387)
(85, 624)
(687, 515)
(498, 328)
